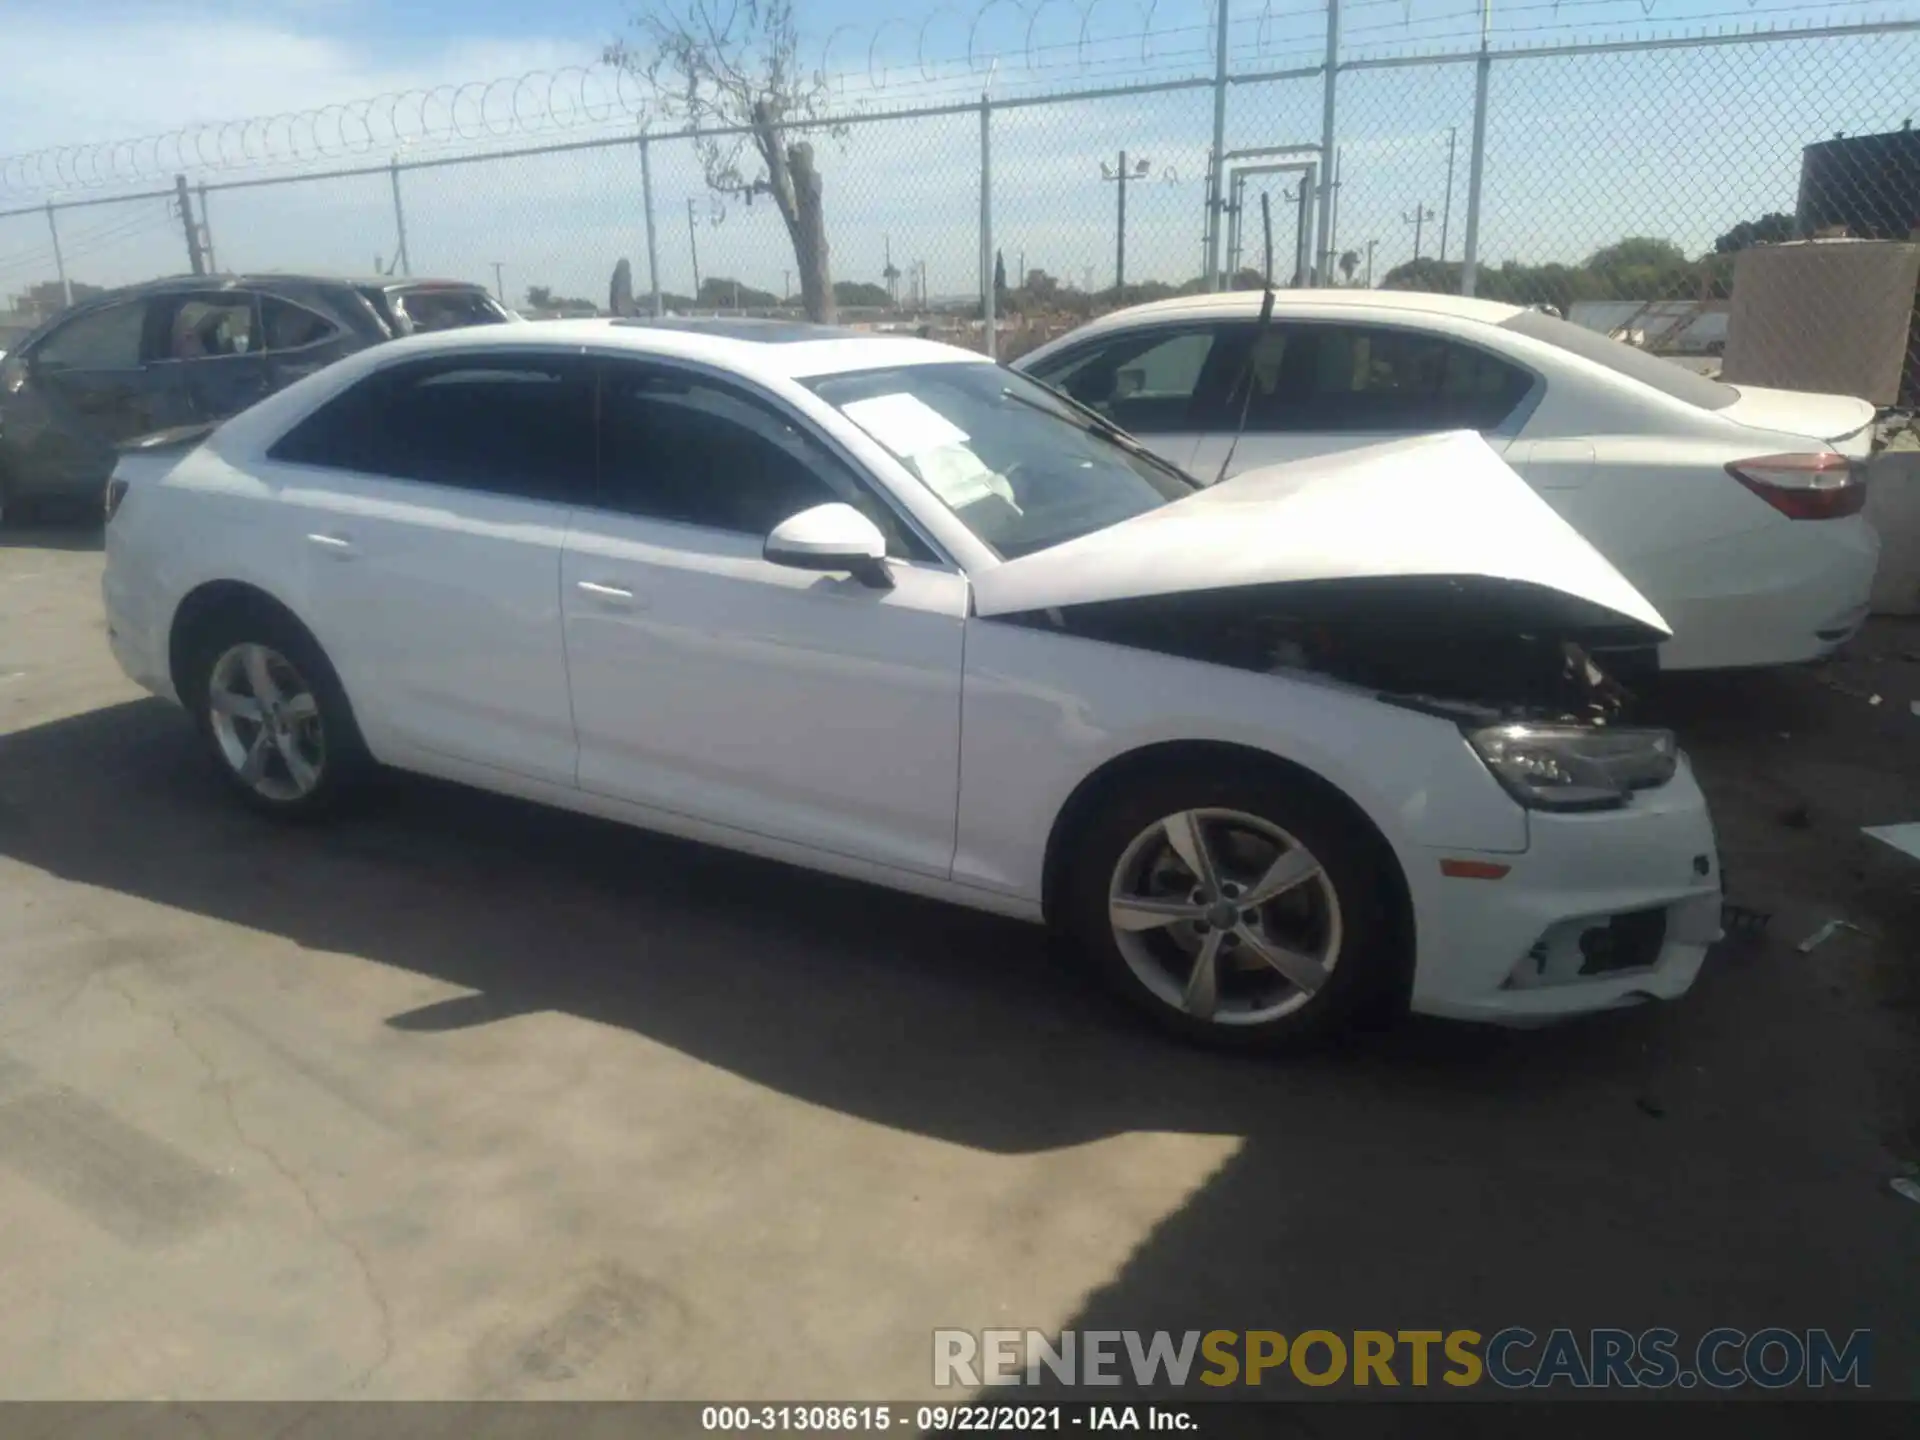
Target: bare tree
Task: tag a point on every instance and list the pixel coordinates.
(733, 64)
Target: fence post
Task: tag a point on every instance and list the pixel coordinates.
(1323, 235)
(646, 198)
(987, 296)
(185, 199)
(1216, 201)
(59, 265)
(399, 217)
(1477, 155)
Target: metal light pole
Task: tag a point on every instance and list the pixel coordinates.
(1446, 206)
(693, 248)
(1121, 176)
(499, 289)
(1418, 219)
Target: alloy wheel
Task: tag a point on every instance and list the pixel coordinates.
(266, 721)
(1225, 916)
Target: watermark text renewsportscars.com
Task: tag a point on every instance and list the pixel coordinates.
(1514, 1358)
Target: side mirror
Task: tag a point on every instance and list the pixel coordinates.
(832, 537)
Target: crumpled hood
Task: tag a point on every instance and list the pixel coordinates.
(1443, 511)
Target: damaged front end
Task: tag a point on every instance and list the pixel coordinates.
(1507, 663)
(1466, 648)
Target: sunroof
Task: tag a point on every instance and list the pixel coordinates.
(763, 332)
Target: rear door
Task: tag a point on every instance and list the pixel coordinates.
(1325, 388)
(86, 389)
(208, 362)
(431, 501)
(299, 340)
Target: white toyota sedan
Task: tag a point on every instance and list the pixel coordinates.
(1320, 737)
(1734, 509)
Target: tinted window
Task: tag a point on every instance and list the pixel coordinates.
(1663, 375)
(447, 309)
(286, 326)
(508, 424)
(1020, 467)
(105, 339)
(675, 446)
(1143, 381)
(1363, 378)
(205, 327)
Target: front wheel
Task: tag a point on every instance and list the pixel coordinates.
(1234, 910)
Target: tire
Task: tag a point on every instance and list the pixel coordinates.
(1331, 925)
(297, 756)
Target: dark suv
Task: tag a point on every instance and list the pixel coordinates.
(189, 351)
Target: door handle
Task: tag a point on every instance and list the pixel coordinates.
(611, 594)
(336, 545)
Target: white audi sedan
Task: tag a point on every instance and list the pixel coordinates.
(1320, 737)
(1734, 509)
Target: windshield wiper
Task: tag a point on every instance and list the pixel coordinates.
(1094, 421)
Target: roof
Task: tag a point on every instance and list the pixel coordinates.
(1247, 302)
(268, 279)
(771, 349)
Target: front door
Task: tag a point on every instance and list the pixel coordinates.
(804, 707)
(430, 503)
(85, 391)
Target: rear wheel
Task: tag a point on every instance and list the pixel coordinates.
(1235, 910)
(272, 712)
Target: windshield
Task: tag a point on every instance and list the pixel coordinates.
(1020, 466)
(1663, 375)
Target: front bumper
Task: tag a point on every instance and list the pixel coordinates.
(1603, 910)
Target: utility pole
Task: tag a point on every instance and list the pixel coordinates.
(206, 230)
(184, 198)
(891, 275)
(1121, 176)
(786, 285)
(693, 247)
(1021, 282)
(499, 289)
(1370, 245)
(399, 218)
(1418, 219)
(59, 265)
(1446, 208)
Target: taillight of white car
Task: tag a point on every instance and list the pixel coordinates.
(1817, 486)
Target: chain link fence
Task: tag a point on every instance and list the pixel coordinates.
(1618, 184)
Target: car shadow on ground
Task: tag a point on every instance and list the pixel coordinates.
(1678, 1166)
(39, 534)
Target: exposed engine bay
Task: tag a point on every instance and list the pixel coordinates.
(1455, 647)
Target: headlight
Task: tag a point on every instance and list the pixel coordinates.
(1573, 767)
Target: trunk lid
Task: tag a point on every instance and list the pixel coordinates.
(1437, 524)
(1841, 421)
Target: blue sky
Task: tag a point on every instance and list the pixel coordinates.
(1680, 144)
